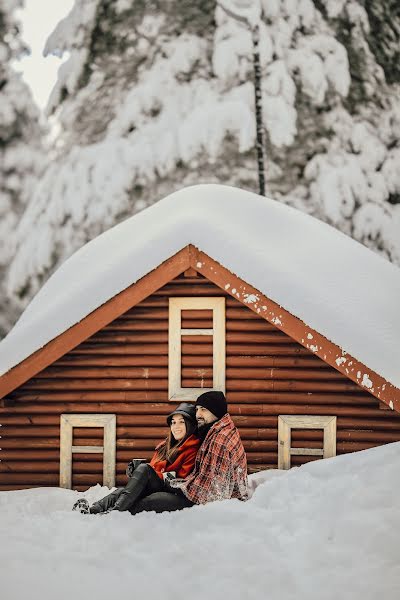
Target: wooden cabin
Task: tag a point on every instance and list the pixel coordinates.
(77, 408)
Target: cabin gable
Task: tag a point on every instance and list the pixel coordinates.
(122, 370)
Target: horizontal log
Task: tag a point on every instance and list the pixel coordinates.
(89, 396)
(102, 337)
(148, 373)
(252, 325)
(149, 302)
(204, 289)
(121, 349)
(31, 443)
(156, 325)
(79, 361)
(188, 372)
(29, 454)
(35, 466)
(205, 313)
(200, 348)
(289, 385)
(375, 437)
(161, 297)
(133, 325)
(259, 350)
(137, 449)
(390, 423)
(240, 312)
(142, 426)
(103, 384)
(249, 362)
(161, 337)
(254, 434)
(8, 488)
(30, 479)
(159, 313)
(158, 318)
(140, 410)
(258, 402)
(139, 312)
(68, 400)
(53, 443)
(96, 384)
(282, 374)
(146, 410)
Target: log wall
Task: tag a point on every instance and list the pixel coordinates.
(123, 369)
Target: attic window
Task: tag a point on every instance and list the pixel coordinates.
(288, 422)
(67, 423)
(216, 333)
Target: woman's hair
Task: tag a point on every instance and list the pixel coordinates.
(170, 448)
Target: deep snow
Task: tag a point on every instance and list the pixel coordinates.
(326, 530)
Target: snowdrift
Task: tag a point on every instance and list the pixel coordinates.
(326, 530)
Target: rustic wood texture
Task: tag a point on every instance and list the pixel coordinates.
(267, 374)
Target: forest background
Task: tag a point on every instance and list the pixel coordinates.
(158, 95)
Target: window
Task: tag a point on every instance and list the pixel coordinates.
(176, 305)
(67, 449)
(288, 422)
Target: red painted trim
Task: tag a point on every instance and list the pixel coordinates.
(303, 334)
(230, 283)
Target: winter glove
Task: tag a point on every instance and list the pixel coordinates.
(133, 465)
(169, 475)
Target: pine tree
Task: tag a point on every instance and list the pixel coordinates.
(156, 96)
(20, 144)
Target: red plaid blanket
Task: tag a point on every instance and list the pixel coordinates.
(220, 470)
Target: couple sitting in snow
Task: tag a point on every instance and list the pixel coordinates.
(201, 460)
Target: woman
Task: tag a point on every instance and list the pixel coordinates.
(174, 457)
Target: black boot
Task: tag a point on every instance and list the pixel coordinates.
(134, 488)
(82, 506)
(107, 503)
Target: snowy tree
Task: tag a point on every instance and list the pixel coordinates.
(155, 96)
(20, 145)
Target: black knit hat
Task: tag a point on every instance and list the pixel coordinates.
(214, 401)
(185, 409)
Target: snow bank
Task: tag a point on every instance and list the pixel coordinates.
(332, 283)
(326, 530)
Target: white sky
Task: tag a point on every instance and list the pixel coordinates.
(38, 19)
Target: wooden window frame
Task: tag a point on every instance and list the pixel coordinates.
(67, 423)
(288, 422)
(176, 305)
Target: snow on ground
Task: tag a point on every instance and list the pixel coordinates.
(323, 531)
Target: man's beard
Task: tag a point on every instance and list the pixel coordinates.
(203, 429)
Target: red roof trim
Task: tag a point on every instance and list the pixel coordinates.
(190, 256)
(329, 352)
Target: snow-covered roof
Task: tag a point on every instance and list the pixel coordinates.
(332, 283)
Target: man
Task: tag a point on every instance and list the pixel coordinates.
(220, 470)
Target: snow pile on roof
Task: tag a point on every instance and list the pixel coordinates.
(332, 283)
(326, 530)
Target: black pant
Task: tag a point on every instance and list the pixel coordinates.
(144, 491)
(161, 502)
